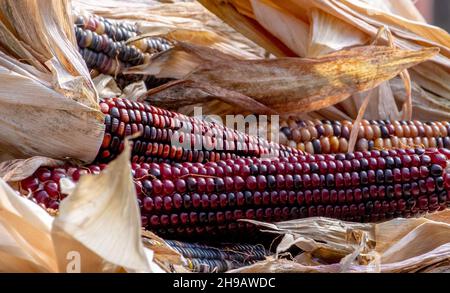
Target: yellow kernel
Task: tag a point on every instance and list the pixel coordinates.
(378, 143)
(428, 130)
(425, 142)
(432, 142)
(442, 130)
(327, 130)
(325, 145)
(334, 144)
(376, 131)
(395, 142)
(399, 130)
(361, 132)
(309, 147)
(368, 132)
(436, 130)
(343, 145)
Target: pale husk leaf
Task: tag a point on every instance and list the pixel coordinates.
(37, 120)
(329, 34)
(48, 103)
(16, 170)
(281, 24)
(382, 103)
(106, 86)
(404, 8)
(110, 201)
(372, 14)
(25, 243)
(398, 245)
(247, 26)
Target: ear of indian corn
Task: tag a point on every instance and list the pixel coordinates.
(171, 136)
(103, 46)
(118, 31)
(194, 200)
(220, 258)
(324, 136)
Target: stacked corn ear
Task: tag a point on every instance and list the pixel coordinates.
(206, 201)
(203, 258)
(103, 45)
(325, 136)
(167, 136)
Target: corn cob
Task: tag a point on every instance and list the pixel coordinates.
(101, 62)
(206, 259)
(118, 31)
(103, 46)
(192, 200)
(325, 136)
(175, 137)
(127, 54)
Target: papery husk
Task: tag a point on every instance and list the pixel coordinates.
(425, 104)
(110, 200)
(283, 85)
(133, 91)
(165, 256)
(333, 25)
(106, 86)
(281, 24)
(328, 245)
(324, 40)
(48, 103)
(404, 8)
(247, 27)
(382, 103)
(19, 169)
(99, 221)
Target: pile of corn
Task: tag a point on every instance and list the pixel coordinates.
(197, 180)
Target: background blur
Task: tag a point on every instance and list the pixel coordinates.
(436, 12)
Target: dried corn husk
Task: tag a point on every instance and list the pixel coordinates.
(283, 85)
(399, 245)
(164, 255)
(18, 169)
(106, 86)
(97, 228)
(314, 28)
(48, 103)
